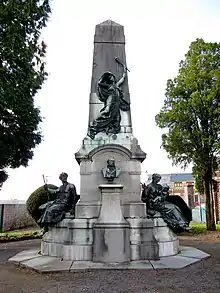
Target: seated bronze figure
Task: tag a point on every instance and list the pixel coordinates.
(65, 201)
(157, 199)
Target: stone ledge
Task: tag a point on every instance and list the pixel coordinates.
(46, 264)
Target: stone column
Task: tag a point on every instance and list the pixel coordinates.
(111, 231)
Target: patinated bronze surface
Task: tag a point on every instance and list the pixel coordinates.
(66, 199)
(110, 93)
(156, 198)
(110, 172)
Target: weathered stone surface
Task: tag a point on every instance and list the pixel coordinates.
(47, 264)
(187, 251)
(143, 243)
(71, 240)
(25, 255)
(91, 175)
(88, 210)
(81, 266)
(111, 231)
(167, 240)
(173, 262)
(52, 264)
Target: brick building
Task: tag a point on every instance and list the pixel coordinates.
(183, 184)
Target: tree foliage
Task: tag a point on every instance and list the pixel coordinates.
(22, 73)
(36, 199)
(3, 177)
(191, 116)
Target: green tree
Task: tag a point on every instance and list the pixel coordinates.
(191, 116)
(22, 73)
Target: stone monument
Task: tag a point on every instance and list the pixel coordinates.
(110, 222)
(109, 227)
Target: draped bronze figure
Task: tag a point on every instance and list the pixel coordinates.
(110, 93)
(157, 197)
(65, 201)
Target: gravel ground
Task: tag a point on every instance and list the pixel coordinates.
(203, 277)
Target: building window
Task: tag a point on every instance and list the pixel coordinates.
(196, 197)
(178, 184)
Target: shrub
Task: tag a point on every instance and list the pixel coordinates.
(36, 199)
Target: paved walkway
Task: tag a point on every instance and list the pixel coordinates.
(203, 277)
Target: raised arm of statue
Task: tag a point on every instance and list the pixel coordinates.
(121, 80)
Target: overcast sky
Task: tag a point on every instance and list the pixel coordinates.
(158, 34)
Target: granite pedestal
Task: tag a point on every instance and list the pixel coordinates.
(111, 231)
(168, 242)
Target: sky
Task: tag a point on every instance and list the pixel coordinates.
(158, 34)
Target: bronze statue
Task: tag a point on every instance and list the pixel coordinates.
(110, 93)
(157, 198)
(111, 171)
(54, 211)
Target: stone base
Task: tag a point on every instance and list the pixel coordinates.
(168, 242)
(88, 210)
(111, 243)
(47, 264)
(72, 240)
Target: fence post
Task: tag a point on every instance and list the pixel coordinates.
(1, 217)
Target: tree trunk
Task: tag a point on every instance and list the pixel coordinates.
(210, 219)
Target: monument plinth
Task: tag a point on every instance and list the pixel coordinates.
(111, 231)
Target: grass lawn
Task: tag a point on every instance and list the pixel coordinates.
(199, 228)
(200, 233)
(18, 235)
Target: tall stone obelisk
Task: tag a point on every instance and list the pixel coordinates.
(109, 43)
(112, 211)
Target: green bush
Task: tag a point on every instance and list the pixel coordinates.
(36, 199)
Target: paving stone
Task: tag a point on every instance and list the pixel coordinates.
(32, 259)
(141, 265)
(193, 252)
(173, 262)
(25, 255)
(47, 264)
(88, 265)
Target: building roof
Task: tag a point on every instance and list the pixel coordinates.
(176, 177)
(182, 177)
